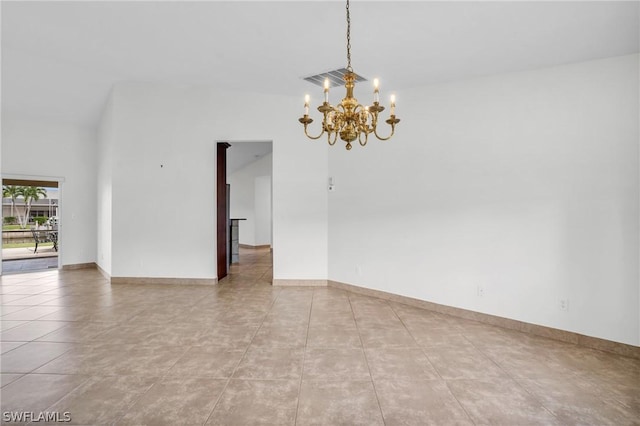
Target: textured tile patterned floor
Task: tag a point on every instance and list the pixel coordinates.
(244, 352)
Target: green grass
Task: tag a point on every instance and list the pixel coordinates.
(21, 245)
(12, 227)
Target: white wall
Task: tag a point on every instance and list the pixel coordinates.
(164, 148)
(525, 184)
(251, 199)
(104, 181)
(262, 202)
(37, 148)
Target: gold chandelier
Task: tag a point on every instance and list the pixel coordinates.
(349, 119)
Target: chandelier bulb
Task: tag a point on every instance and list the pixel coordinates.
(376, 90)
(326, 90)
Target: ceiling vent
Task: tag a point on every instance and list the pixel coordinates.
(335, 78)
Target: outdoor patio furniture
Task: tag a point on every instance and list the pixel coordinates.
(53, 237)
(45, 236)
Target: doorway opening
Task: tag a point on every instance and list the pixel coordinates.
(30, 225)
(248, 174)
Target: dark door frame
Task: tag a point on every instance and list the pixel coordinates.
(221, 209)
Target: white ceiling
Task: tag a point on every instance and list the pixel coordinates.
(60, 59)
(241, 154)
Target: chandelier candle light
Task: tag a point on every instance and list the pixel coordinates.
(349, 119)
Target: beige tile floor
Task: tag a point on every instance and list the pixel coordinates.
(244, 352)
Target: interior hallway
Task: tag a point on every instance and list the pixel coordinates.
(244, 352)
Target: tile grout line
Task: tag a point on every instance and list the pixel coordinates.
(304, 357)
(135, 401)
(41, 365)
(446, 382)
(156, 382)
(240, 360)
(366, 360)
(70, 392)
(51, 360)
(416, 342)
(505, 371)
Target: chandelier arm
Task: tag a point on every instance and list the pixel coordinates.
(374, 117)
(313, 137)
(366, 138)
(363, 123)
(335, 138)
(393, 129)
(358, 109)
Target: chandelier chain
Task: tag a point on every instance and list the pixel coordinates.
(348, 39)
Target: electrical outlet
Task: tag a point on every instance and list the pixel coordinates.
(564, 304)
(480, 291)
